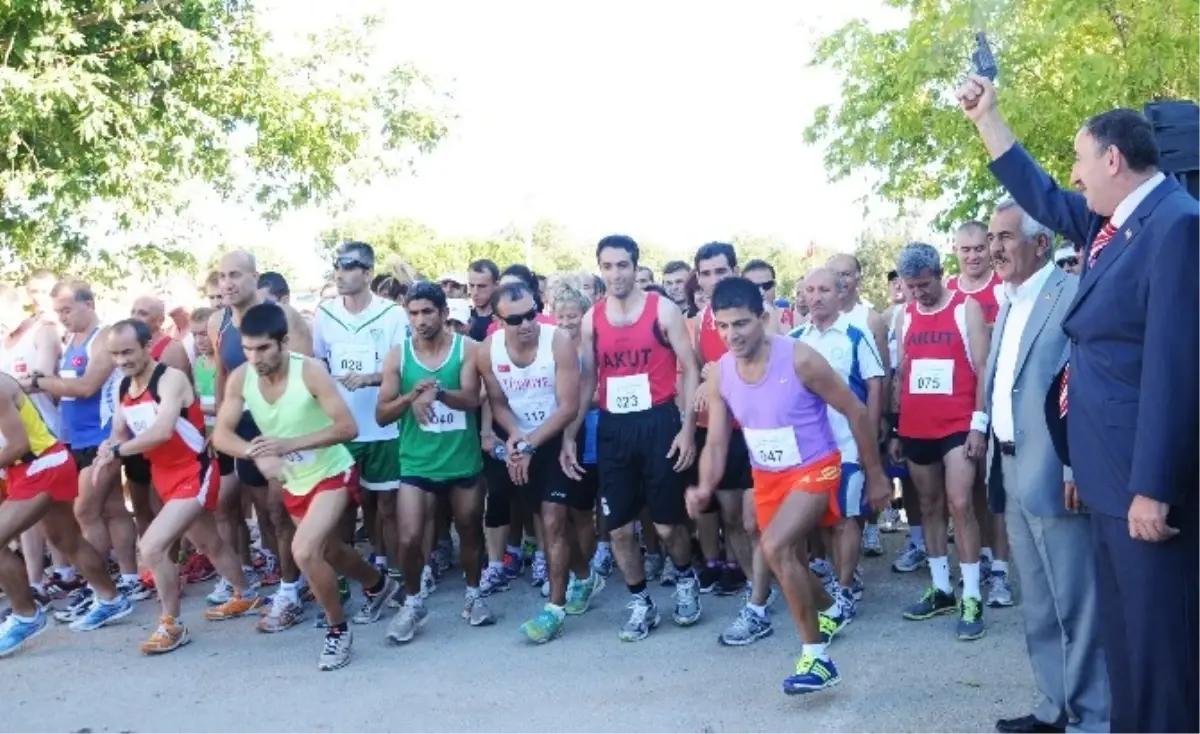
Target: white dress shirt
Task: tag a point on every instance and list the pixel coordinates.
(1021, 300)
(1135, 198)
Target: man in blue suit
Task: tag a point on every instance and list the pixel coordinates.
(1133, 390)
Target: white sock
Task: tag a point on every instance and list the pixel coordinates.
(381, 561)
(66, 573)
(916, 536)
(760, 611)
(999, 566)
(939, 569)
(129, 578)
(539, 556)
(289, 591)
(513, 549)
(498, 565)
(817, 651)
(834, 610)
(970, 574)
(560, 612)
(472, 591)
(985, 554)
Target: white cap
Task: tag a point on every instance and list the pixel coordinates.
(1063, 253)
(460, 278)
(460, 310)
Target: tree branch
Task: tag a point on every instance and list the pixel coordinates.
(145, 8)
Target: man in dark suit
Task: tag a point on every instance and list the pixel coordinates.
(1132, 427)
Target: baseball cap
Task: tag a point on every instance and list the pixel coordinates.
(459, 278)
(1064, 253)
(460, 310)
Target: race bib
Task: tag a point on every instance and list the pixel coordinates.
(445, 420)
(208, 401)
(629, 394)
(347, 358)
(533, 413)
(773, 448)
(140, 417)
(67, 375)
(931, 377)
(297, 459)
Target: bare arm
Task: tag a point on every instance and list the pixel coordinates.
(175, 355)
(344, 428)
(820, 378)
(716, 451)
(566, 391)
(299, 334)
(214, 333)
(16, 440)
(977, 332)
(467, 397)
(229, 414)
(677, 334)
(99, 369)
(878, 328)
(47, 351)
(174, 394)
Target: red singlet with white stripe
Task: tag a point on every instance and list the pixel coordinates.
(937, 379)
(635, 366)
(990, 296)
(182, 458)
(712, 348)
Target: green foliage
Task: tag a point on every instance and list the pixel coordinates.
(1060, 62)
(111, 108)
(268, 259)
(877, 253)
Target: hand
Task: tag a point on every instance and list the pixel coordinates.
(424, 385)
(683, 449)
(568, 459)
(976, 446)
(697, 501)
(705, 370)
(700, 402)
(26, 383)
(518, 469)
(266, 446)
(1148, 520)
(422, 406)
(104, 455)
(487, 442)
(977, 97)
(1071, 497)
(354, 380)
(896, 451)
(511, 444)
(879, 490)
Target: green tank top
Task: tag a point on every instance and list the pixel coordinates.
(204, 375)
(448, 447)
(296, 413)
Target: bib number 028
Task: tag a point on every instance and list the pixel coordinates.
(350, 365)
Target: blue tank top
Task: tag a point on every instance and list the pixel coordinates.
(86, 422)
(229, 343)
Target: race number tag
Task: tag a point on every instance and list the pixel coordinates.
(629, 394)
(931, 377)
(347, 358)
(208, 401)
(773, 448)
(297, 459)
(445, 420)
(534, 412)
(67, 375)
(140, 417)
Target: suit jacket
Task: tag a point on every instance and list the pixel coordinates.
(1043, 346)
(1134, 328)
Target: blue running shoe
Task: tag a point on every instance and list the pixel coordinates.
(812, 674)
(14, 632)
(103, 612)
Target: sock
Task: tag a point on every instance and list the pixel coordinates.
(513, 550)
(711, 564)
(539, 556)
(999, 566)
(498, 565)
(377, 589)
(757, 609)
(604, 548)
(290, 591)
(66, 573)
(381, 561)
(970, 574)
(129, 578)
(916, 536)
(556, 610)
(985, 554)
(817, 651)
(639, 589)
(472, 591)
(835, 610)
(939, 568)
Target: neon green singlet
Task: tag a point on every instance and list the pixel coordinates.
(296, 413)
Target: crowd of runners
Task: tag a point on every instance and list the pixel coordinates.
(701, 434)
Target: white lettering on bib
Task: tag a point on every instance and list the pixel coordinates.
(140, 417)
(629, 394)
(931, 377)
(445, 420)
(773, 448)
(347, 358)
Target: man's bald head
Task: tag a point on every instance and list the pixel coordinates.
(237, 275)
(822, 274)
(821, 294)
(150, 310)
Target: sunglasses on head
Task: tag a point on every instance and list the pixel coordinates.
(349, 263)
(766, 285)
(520, 318)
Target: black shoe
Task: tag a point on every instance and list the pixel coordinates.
(732, 581)
(710, 576)
(1027, 725)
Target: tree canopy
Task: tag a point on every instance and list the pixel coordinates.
(111, 108)
(1060, 61)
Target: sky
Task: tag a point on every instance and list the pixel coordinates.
(677, 123)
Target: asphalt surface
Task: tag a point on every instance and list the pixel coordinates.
(896, 675)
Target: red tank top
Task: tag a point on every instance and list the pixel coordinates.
(937, 381)
(990, 296)
(712, 348)
(156, 353)
(185, 451)
(635, 367)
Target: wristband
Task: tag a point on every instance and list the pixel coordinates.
(979, 422)
(116, 450)
(524, 447)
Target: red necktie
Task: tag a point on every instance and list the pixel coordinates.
(1103, 237)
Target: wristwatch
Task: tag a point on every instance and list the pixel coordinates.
(524, 447)
(439, 392)
(34, 380)
(116, 450)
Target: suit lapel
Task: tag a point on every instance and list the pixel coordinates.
(1042, 308)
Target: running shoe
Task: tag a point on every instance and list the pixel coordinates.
(539, 572)
(732, 580)
(910, 559)
(428, 582)
(335, 653)
(547, 625)
(135, 590)
(101, 613)
(407, 621)
(889, 520)
(169, 635)
(999, 592)
(812, 674)
(222, 592)
(57, 587)
(581, 593)
(476, 611)
(831, 626)
(238, 606)
(931, 604)
(643, 617)
(493, 581)
(514, 565)
(871, 546)
(14, 632)
(77, 606)
(603, 561)
(710, 576)
(748, 627)
(280, 614)
(687, 601)
(374, 604)
(652, 565)
(970, 620)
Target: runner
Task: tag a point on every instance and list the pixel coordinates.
(303, 421)
(353, 334)
(633, 343)
(531, 374)
(976, 277)
(41, 486)
(942, 426)
(159, 419)
(779, 390)
(431, 384)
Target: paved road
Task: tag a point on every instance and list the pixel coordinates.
(897, 675)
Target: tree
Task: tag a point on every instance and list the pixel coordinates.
(790, 262)
(110, 108)
(1060, 61)
(267, 258)
(423, 248)
(877, 252)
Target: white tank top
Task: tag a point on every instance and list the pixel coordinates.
(16, 361)
(530, 390)
(858, 316)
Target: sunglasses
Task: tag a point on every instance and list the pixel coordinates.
(349, 263)
(1069, 262)
(766, 286)
(520, 318)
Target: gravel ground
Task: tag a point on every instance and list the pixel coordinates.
(896, 675)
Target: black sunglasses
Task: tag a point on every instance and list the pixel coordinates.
(349, 263)
(766, 285)
(519, 318)
(1068, 262)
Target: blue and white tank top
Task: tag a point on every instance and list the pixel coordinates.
(86, 422)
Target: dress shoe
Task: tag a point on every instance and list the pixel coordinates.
(1027, 725)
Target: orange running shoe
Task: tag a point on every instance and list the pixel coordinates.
(236, 607)
(169, 635)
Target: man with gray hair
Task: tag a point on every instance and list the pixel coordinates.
(1050, 539)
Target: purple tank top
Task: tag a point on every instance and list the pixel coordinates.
(785, 425)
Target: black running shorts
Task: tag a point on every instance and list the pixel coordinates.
(631, 456)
